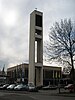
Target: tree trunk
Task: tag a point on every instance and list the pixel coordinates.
(72, 72)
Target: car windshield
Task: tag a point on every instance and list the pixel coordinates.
(69, 84)
(12, 85)
(5, 85)
(19, 85)
(31, 85)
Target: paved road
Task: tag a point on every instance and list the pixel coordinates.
(41, 95)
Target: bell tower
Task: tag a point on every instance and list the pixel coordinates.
(36, 35)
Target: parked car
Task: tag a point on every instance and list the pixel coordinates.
(11, 87)
(20, 87)
(30, 87)
(4, 87)
(70, 87)
(49, 87)
(1, 85)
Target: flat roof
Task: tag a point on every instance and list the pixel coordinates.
(45, 66)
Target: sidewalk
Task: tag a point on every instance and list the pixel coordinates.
(63, 92)
(67, 94)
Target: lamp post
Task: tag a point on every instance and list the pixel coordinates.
(59, 82)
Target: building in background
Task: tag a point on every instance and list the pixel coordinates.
(19, 73)
(3, 76)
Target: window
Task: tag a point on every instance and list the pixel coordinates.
(38, 20)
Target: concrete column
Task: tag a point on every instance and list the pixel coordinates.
(36, 34)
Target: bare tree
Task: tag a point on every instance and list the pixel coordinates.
(61, 44)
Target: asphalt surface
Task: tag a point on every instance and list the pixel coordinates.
(41, 95)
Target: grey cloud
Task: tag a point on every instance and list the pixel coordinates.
(13, 41)
(3, 63)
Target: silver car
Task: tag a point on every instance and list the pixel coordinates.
(11, 87)
(20, 87)
(31, 87)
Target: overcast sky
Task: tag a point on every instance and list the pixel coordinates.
(14, 25)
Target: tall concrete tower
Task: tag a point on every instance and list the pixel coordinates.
(36, 35)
